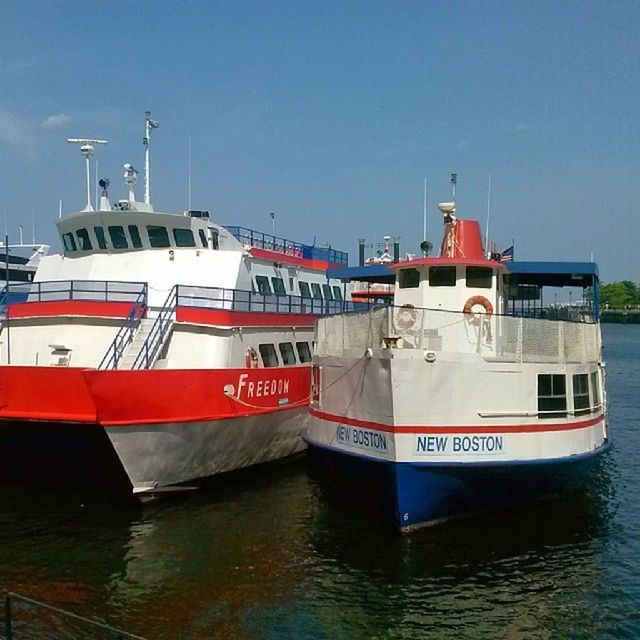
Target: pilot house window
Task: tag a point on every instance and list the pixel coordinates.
(479, 277)
(69, 242)
(118, 238)
(409, 278)
(158, 236)
(136, 241)
(184, 238)
(102, 242)
(442, 276)
(83, 240)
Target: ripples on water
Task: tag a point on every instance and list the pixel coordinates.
(269, 557)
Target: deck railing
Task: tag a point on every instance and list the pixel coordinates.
(89, 290)
(289, 247)
(495, 337)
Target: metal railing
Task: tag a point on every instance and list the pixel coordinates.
(243, 300)
(28, 618)
(499, 337)
(89, 290)
(157, 335)
(288, 247)
(124, 337)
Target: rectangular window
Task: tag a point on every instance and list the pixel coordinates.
(262, 282)
(84, 241)
(136, 241)
(442, 276)
(215, 243)
(102, 242)
(552, 396)
(69, 242)
(287, 353)
(278, 286)
(315, 288)
(409, 278)
(479, 277)
(337, 292)
(305, 292)
(304, 353)
(581, 404)
(595, 389)
(184, 238)
(118, 237)
(203, 238)
(158, 236)
(326, 290)
(269, 355)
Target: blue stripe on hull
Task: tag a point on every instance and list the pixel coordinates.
(411, 495)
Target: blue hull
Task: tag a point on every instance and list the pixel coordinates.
(410, 495)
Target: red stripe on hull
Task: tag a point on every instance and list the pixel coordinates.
(91, 308)
(184, 395)
(56, 394)
(227, 318)
(502, 428)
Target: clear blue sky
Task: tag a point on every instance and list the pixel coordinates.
(332, 114)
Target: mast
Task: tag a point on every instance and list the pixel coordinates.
(149, 124)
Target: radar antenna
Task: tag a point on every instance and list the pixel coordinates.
(86, 149)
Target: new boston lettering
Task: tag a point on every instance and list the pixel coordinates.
(447, 445)
(362, 438)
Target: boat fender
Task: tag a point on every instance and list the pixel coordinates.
(251, 359)
(406, 316)
(475, 318)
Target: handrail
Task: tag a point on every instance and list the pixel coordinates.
(126, 332)
(94, 290)
(289, 247)
(255, 302)
(152, 345)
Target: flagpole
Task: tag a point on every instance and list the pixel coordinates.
(424, 223)
(486, 248)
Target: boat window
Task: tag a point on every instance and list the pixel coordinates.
(581, 404)
(595, 389)
(442, 276)
(215, 243)
(102, 242)
(337, 292)
(409, 278)
(136, 241)
(315, 288)
(287, 353)
(305, 292)
(83, 240)
(262, 282)
(158, 236)
(552, 396)
(326, 290)
(203, 238)
(118, 238)
(184, 238)
(304, 353)
(278, 286)
(479, 277)
(69, 242)
(269, 355)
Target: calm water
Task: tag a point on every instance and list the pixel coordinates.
(269, 557)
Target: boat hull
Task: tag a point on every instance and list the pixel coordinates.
(410, 495)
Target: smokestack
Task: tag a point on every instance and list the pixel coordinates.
(361, 251)
(396, 250)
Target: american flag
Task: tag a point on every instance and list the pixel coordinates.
(507, 255)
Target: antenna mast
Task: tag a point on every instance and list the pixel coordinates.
(149, 124)
(86, 149)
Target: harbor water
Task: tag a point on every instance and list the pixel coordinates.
(268, 556)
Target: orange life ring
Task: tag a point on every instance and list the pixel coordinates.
(251, 359)
(475, 318)
(405, 316)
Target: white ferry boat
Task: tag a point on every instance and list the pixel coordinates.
(467, 394)
(158, 349)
